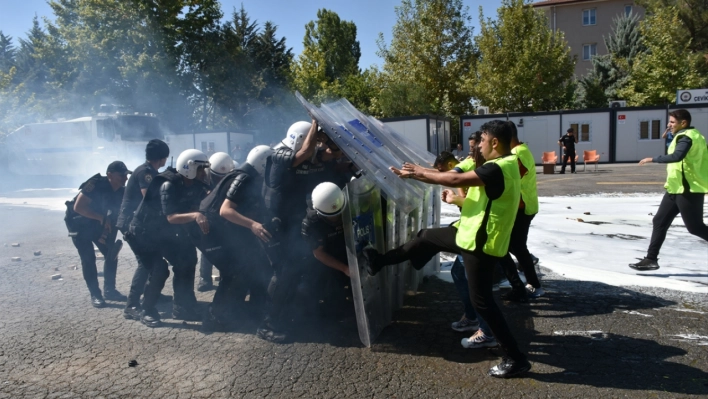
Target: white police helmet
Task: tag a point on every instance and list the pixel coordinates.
(221, 163)
(328, 199)
(258, 157)
(189, 161)
(296, 135)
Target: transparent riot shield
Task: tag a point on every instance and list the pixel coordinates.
(383, 211)
(363, 226)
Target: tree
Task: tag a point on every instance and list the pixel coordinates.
(610, 72)
(430, 52)
(669, 64)
(330, 56)
(523, 66)
(7, 53)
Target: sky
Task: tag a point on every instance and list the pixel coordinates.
(370, 16)
(615, 233)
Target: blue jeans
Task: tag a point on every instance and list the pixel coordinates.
(459, 277)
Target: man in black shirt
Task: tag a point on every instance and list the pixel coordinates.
(97, 205)
(156, 153)
(568, 142)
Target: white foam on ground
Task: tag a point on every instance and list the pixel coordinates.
(601, 253)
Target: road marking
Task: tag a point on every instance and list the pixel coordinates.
(631, 182)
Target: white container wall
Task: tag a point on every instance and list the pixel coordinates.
(639, 134)
(414, 130)
(593, 129)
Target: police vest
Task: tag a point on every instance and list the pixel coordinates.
(694, 167)
(149, 219)
(73, 220)
(495, 216)
(529, 192)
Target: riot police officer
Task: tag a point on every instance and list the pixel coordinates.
(93, 222)
(285, 201)
(233, 209)
(172, 199)
(156, 153)
(323, 230)
(221, 165)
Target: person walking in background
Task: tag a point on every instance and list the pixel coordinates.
(686, 186)
(568, 142)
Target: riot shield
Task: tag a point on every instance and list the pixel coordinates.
(382, 210)
(363, 226)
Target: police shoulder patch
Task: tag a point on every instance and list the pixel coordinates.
(90, 185)
(148, 177)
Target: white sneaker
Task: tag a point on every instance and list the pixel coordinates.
(465, 324)
(534, 292)
(479, 340)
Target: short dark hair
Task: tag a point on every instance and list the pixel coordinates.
(475, 136)
(514, 131)
(570, 129)
(500, 130)
(444, 158)
(681, 115)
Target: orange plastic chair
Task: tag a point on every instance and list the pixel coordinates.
(549, 158)
(590, 157)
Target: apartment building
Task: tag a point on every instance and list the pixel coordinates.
(585, 23)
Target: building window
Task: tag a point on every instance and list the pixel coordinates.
(208, 146)
(582, 129)
(627, 9)
(650, 130)
(589, 50)
(589, 17)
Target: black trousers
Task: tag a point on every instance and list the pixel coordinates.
(480, 277)
(182, 255)
(84, 241)
(205, 268)
(690, 206)
(140, 276)
(242, 266)
(570, 155)
(517, 247)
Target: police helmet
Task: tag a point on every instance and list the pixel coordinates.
(296, 135)
(189, 161)
(258, 157)
(328, 199)
(221, 163)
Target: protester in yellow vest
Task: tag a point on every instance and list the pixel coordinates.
(481, 236)
(686, 186)
(528, 208)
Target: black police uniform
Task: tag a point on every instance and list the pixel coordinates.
(569, 142)
(331, 288)
(140, 180)
(153, 238)
(233, 249)
(86, 232)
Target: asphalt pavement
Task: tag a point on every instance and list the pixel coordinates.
(585, 340)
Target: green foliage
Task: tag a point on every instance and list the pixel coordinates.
(610, 72)
(329, 59)
(523, 66)
(430, 52)
(170, 57)
(668, 64)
